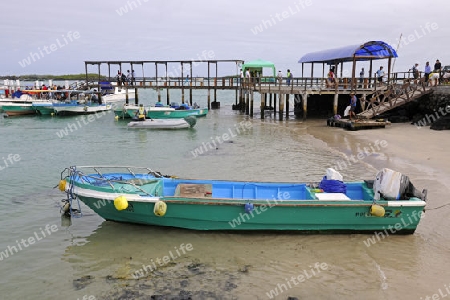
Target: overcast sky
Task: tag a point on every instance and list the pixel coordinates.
(56, 37)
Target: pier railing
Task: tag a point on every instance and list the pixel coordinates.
(270, 84)
(178, 82)
(267, 84)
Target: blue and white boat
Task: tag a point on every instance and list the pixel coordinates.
(75, 107)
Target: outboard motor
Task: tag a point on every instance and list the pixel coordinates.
(392, 185)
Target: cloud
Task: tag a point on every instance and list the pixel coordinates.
(179, 30)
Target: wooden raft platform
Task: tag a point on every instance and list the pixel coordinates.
(358, 124)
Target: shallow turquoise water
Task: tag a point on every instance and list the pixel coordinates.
(90, 257)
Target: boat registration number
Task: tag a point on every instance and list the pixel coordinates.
(130, 207)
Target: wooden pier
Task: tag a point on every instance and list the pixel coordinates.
(275, 93)
(175, 74)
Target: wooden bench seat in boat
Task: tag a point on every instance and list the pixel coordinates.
(193, 190)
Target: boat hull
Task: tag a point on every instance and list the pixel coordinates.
(160, 124)
(44, 109)
(118, 94)
(165, 112)
(115, 98)
(231, 205)
(80, 109)
(176, 114)
(305, 216)
(121, 112)
(18, 109)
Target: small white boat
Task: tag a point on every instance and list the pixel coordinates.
(78, 108)
(164, 123)
(111, 93)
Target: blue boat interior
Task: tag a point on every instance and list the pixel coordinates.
(261, 190)
(149, 185)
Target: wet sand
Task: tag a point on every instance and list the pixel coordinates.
(422, 154)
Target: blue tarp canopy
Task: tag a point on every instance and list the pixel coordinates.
(367, 51)
(106, 85)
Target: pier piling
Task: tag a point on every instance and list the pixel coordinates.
(263, 105)
(281, 105)
(251, 104)
(287, 106)
(305, 105)
(136, 96)
(168, 96)
(335, 103)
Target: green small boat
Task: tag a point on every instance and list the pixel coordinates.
(44, 108)
(162, 112)
(18, 105)
(18, 109)
(176, 114)
(120, 111)
(143, 196)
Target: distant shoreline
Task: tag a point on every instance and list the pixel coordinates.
(32, 77)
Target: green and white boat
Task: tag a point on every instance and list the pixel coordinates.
(143, 196)
(160, 112)
(44, 108)
(168, 113)
(18, 106)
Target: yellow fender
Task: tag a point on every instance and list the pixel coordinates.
(377, 210)
(160, 208)
(121, 203)
(62, 185)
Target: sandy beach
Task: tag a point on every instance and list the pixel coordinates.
(421, 154)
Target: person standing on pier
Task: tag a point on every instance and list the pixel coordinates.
(437, 68)
(361, 77)
(280, 77)
(415, 71)
(248, 76)
(289, 77)
(133, 79)
(331, 80)
(380, 75)
(119, 77)
(129, 78)
(427, 71)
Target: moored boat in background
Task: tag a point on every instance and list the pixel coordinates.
(20, 104)
(111, 93)
(160, 112)
(80, 108)
(187, 122)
